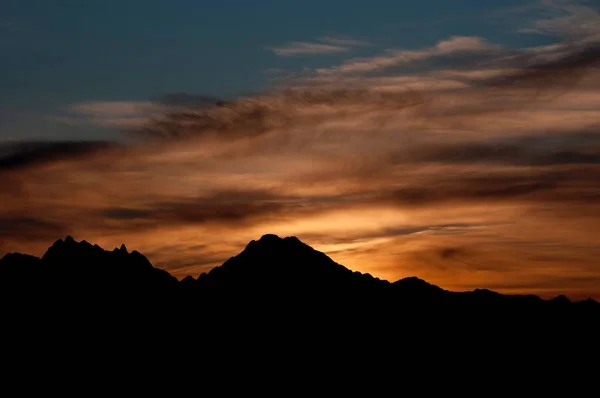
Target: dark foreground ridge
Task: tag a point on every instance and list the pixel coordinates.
(278, 296)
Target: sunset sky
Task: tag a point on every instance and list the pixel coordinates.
(456, 141)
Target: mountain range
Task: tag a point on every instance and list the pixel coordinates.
(274, 265)
(278, 301)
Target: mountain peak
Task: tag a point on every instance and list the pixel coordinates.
(269, 238)
(562, 299)
(413, 282)
(275, 239)
(272, 261)
(274, 242)
(287, 246)
(71, 263)
(67, 241)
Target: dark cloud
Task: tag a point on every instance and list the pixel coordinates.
(19, 155)
(533, 150)
(469, 190)
(452, 252)
(122, 213)
(189, 100)
(225, 122)
(30, 228)
(453, 259)
(574, 186)
(255, 116)
(569, 186)
(221, 207)
(567, 64)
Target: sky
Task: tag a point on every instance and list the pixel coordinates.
(455, 141)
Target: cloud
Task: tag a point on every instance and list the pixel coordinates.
(107, 113)
(223, 206)
(528, 150)
(274, 71)
(452, 252)
(108, 108)
(568, 19)
(505, 84)
(394, 232)
(574, 186)
(325, 45)
(256, 116)
(20, 155)
(308, 48)
(344, 41)
(451, 46)
(182, 100)
(556, 66)
(30, 228)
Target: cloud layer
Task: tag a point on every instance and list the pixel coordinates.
(465, 163)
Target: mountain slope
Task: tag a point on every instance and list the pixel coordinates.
(273, 262)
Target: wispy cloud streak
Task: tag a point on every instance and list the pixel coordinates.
(325, 45)
(304, 48)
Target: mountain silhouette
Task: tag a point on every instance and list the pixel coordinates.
(284, 263)
(70, 265)
(285, 266)
(278, 300)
